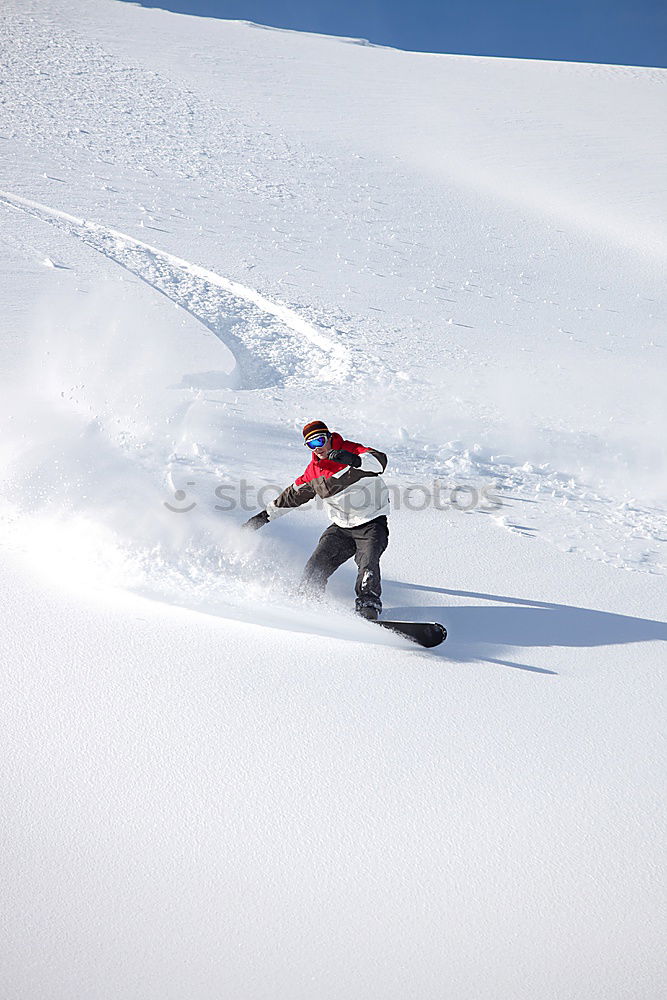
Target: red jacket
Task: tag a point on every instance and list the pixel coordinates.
(352, 496)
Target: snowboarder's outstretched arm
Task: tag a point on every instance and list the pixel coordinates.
(298, 493)
(294, 496)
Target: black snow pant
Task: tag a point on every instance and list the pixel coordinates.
(366, 543)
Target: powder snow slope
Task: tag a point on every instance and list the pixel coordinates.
(211, 233)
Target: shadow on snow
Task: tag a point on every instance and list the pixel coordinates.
(478, 631)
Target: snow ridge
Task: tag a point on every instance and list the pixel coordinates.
(259, 357)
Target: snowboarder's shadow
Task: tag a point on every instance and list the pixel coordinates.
(484, 632)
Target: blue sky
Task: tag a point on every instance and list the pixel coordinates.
(631, 32)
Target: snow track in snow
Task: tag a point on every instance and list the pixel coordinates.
(272, 345)
(266, 338)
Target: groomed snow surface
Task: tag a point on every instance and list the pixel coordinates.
(210, 234)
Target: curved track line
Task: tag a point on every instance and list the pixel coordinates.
(338, 361)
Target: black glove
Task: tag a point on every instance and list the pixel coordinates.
(344, 457)
(256, 521)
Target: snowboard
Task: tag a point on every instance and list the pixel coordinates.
(424, 633)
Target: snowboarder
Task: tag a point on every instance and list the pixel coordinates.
(347, 477)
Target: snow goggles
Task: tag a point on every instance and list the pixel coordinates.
(318, 442)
